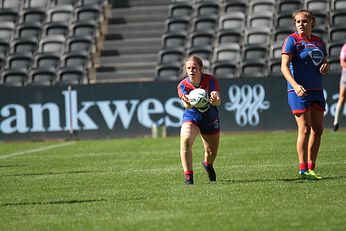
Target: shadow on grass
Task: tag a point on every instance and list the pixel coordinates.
(50, 173)
(10, 166)
(53, 202)
(289, 180)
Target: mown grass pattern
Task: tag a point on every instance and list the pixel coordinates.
(137, 184)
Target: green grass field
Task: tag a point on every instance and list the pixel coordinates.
(137, 184)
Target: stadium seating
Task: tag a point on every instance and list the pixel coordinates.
(338, 5)
(17, 77)
(231, 6)
(229, 36)
(34, 15)
(8, 15)
(207, 8)
(173, 24)
(24, 45)
(288, 6)
(168, 71)
(14, 4)
(163, 37)
(256, 27)
(43, 37)
(171, 55)
(225, 69)
(42, 76)
(29, 29)
(262, 6)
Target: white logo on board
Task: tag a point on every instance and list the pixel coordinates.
(246, 101)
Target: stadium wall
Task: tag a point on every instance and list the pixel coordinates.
(131, 109)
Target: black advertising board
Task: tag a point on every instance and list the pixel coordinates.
(131, 109)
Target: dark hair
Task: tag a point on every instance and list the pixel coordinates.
(307, 13)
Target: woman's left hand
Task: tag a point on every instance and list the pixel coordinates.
(324, 68)
(214, 98)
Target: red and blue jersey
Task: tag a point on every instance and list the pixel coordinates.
(208, 121)
(308, 55)
(208, 83)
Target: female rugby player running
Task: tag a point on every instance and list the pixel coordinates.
(196, 122)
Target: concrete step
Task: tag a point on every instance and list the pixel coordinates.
(148, 2)
(143, 25)
(138, 10)
(130, 50)
(147, 42)
(137, 18)
(128, 58)
(131, 3)
(126, 66)
(149, 33)
(142, 75)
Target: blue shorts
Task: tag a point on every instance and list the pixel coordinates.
(300, 105)
(208, 122)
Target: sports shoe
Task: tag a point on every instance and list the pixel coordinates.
(188, 179)
(313, 175)
(335, 127)
(210, 171)
(304, 175)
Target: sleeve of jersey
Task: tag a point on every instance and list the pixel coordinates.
(288, 45)
(324, 50)
(214, 84)
(181, 89)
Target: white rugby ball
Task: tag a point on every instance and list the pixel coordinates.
(199, 98)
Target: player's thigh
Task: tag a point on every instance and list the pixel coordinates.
(342, 94)
(304, 121)
(188, 133)
(211, 142)
(317, 117)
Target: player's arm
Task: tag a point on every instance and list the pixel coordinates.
(215, 98)
(285, 63)
(343, 61)
(325, 66)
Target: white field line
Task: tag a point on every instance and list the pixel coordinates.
(36, 150)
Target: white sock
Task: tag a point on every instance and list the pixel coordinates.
(337, 113)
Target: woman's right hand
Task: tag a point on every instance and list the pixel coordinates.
(185, 99)
(300, 90)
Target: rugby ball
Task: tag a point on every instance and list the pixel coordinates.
(199, 98)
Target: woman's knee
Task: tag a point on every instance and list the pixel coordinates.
(186, 143)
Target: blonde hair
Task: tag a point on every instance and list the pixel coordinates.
(305, 12)
(196, 59)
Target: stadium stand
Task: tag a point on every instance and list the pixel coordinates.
(258, 28)
(231, 6)
(131, 45)
(41, 38)
(132, 40)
